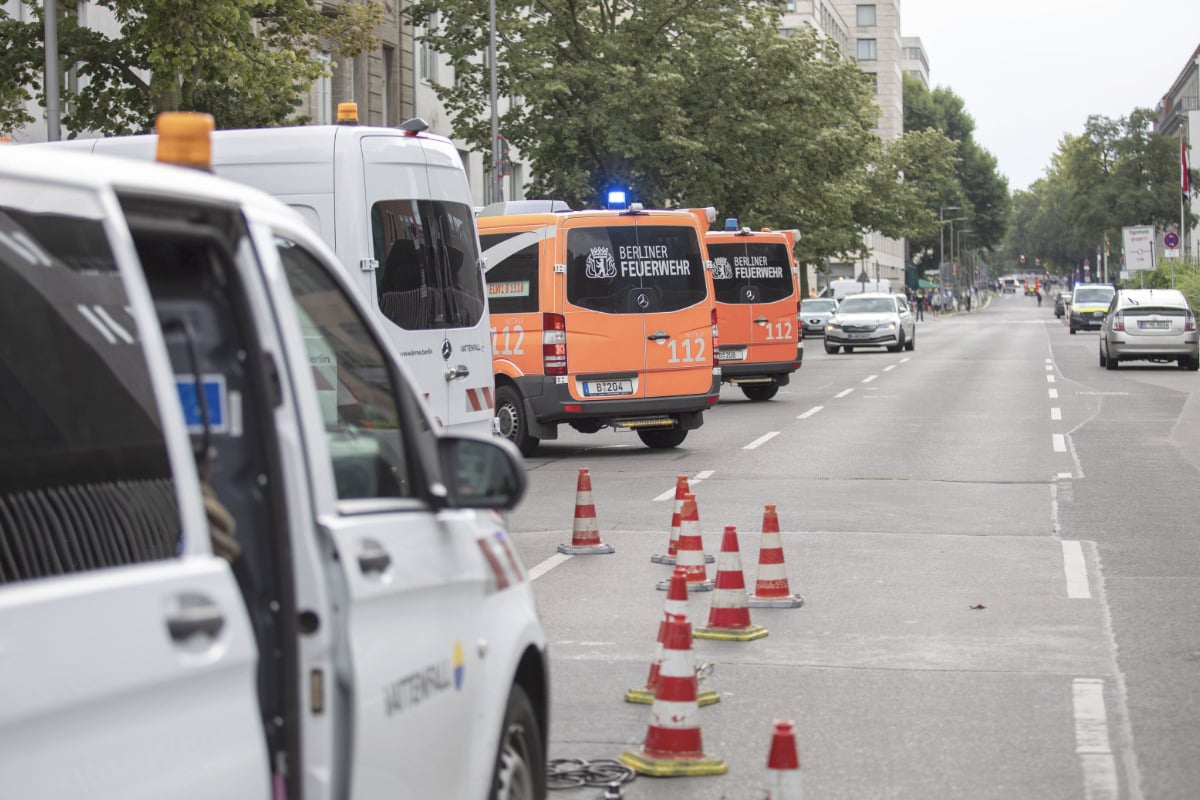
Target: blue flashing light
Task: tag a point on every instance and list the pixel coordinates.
(617, 198)
(731, 223)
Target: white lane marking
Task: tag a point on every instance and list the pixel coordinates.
(1049, 360)
(549, 564)
(1049, 368)
(1075, 569)
(889, 368)
(1060, 442)
(869, 378)
(810, 412)
(1049, 379)
(1056, 414)
(1054, 394)
(669, 494)
(1066, 475)
(906, 358)
(1091, 740)
(766, 437)
(842, 394)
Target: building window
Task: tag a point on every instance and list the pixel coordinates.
(787, 33)
(866, 50)
(323, 102)
(789, 6)
(389, 84)
(429, 61)
(866, 16)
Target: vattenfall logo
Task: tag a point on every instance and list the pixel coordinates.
(722, 270)
(424, 684)
(600, 264)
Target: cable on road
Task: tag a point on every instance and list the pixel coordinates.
(572, 773)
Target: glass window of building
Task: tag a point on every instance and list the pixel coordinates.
(866, 50)
(866, 16)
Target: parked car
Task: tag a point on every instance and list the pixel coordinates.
(814, 313)
(1089, 304)
(871, 320)
(1060, 305)
(1150, 325)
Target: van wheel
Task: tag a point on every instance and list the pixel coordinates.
(510, 414)
(662, 438)
(760, 391)
(520, 765)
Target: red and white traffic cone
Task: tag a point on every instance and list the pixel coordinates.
(690, 552)
(729, 616)
(673, 745)
(783, 764)
(677, 604)
(771, 588)
(681, 488)
(585, 536)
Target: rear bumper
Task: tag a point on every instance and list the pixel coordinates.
(1129, 350)
(779, 371)
(546, 403)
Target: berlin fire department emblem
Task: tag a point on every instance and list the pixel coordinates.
(600, 264)
(722, 270)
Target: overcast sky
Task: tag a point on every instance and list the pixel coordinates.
(1030, 71)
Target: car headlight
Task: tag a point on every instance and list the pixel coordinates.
(833, 325)
(888, 326)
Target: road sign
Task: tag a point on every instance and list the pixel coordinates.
(1171, 240)
(1139, 247)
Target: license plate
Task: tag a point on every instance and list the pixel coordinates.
(860, 335)
(602, 388)
(1154, 324)
(731, 354)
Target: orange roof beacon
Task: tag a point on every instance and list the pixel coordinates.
(758, 306)
(601, 318)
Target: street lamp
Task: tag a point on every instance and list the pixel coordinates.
(953, 249)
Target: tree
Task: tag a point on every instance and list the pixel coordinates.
(245, 63)
(686, 104)
(976, 188)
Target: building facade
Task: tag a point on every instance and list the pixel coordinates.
(1179, 115)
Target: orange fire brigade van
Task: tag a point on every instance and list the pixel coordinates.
(600, 319)
(758, 302)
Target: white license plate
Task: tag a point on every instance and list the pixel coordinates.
(860, 335)
(603, 388)
(731, 354)
(1154, 324)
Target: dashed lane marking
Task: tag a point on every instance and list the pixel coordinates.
(766, 437)
(547, 565)
(810, 412)
(1091, 740)
(1056, 414)
(842, 393)
(670, 493)
(869, 378)
(1060, 442)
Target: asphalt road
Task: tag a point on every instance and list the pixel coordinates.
(995, 540)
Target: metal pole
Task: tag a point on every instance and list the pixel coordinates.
(53, 118)
(499, 182)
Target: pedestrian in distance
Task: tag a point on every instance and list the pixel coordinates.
(1039, 297)
(920, 305)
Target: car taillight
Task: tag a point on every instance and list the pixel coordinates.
(716, 362)
(1190, 322)
(554, 344)
(1118, 323)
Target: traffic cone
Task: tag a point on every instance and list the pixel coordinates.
(585, 536)
(771, 588)
(673, 745)
(783, 764)
(729, 616)
(681, 488)
(689, 553)
(677, 604)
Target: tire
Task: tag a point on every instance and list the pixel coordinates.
(1111, 362)
(911, 343)
(759, 392)
(832, 349)
(514, 426)
(662, 438)
(898, 346)
(520, 772)
(1194, 364)
(1104, 361)
(1072, 329)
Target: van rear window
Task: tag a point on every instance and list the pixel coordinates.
(751, 272)
(632, 269)
(429, 274)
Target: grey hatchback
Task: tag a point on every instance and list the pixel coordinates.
(814, 313)
(1150, 325)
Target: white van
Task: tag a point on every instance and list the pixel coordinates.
(395, 205)
(312, 595)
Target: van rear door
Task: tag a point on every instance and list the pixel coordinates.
(756, 300)
(127, 648)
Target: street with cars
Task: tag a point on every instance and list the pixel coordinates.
(994, 539)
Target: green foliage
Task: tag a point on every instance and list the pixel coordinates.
(687, 104)
(243, 61)
(21, 68)
(1115, 174)
(975, 186)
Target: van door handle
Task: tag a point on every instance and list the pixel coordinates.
(374, 561)
(659, 336)
(761, 321)
(193, 618)
(461, 371)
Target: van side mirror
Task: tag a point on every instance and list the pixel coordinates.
(481, 472)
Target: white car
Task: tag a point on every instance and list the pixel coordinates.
(1150, 325)
(871, 320)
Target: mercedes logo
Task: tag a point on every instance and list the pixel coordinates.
(447, 349)
(643, 301)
